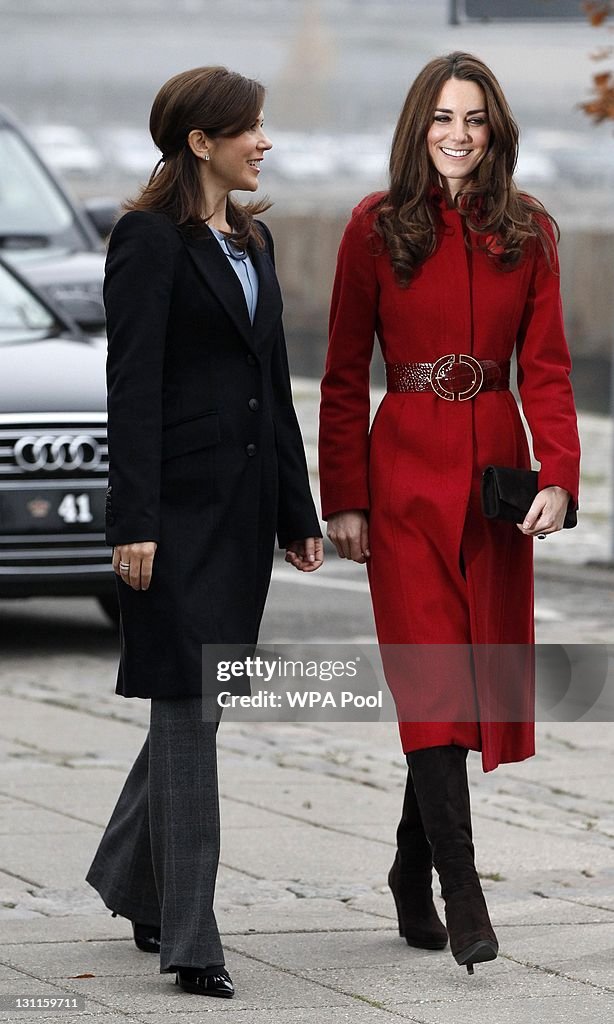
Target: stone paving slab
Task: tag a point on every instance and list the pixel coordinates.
(305, 853)
(550, 767)
(586, 954)
(237, 770)
(240, 814)
(64, 960)
(507, 905)
(315, 951)
(19, 818)
(33, 777)
(42, 930)
(257, 986)
(72, 803)
(424, 977)
(563, 818)
(100, 1016)
(501, 843)
(8, 974)
(64, 731)
(23, 986)
(68, 858)
(295, 915)
(581, 1008)
(585, 737)
(11, 885)
(342, 806)
(551, 801)
(228, 1013)
(54, 902)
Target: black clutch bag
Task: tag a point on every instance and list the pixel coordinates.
(508, 494)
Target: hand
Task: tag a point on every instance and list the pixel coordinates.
(349, 532)
(306, 555)
(547, 513)
(140, 559)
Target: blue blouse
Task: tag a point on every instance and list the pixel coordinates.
(243, 267)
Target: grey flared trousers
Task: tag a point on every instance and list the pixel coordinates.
(157, 860)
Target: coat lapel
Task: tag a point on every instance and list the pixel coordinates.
(270, 305)
(212, 264)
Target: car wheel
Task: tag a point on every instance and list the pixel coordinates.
(110, 606)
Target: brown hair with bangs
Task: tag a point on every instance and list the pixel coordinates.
(219, 103)
(489, 202)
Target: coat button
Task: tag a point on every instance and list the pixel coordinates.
(254, 404)
(251, 449)
(251, 359)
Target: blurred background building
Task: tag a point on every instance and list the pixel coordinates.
(81, 75)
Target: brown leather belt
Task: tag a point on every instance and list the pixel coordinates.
(451, 377)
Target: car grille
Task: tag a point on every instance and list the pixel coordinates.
(53, 448)
(43, 458)
(54, 555)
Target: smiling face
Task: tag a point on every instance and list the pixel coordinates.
(459, 134)
(234, 162)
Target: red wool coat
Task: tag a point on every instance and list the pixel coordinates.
(439, 572)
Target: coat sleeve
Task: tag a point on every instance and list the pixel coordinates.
(544, 365)
(345, 405)
(137, 292)
(296, 514)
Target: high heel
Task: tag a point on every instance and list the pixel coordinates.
(146, 937)
(478, 953)
(440, 780)
(474, 941)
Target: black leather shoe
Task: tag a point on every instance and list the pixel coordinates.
(146, 937)
(201, 982)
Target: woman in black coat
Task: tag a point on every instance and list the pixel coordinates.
(206, 466)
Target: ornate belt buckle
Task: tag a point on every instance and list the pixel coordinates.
(442, 371)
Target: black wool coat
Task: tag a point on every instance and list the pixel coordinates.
(206, 455)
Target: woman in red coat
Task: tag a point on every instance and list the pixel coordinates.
(453, 269)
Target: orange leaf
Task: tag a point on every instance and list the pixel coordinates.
(597, 12)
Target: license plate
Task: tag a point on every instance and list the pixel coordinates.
(76, 510)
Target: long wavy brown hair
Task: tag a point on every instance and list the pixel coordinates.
(219, 103)
(408, 214)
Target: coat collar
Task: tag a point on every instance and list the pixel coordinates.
(212, 264)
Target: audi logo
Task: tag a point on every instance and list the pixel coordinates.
(50, 452)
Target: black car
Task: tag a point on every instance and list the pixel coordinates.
(53, 450)
(55, 242)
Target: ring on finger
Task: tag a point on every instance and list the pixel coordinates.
(124, 566)
(541, 536)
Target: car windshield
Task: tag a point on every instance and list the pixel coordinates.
(30, 205)
(22, 316)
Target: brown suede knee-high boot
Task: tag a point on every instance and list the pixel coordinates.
(442, 790)
(410, 879)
